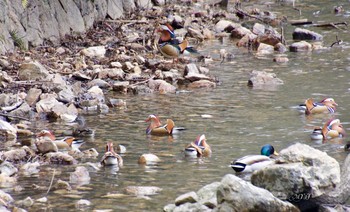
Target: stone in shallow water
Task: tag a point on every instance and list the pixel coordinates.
(305, 34)
(80, 175)
(190, 197)
(148, 159)
(82, 204)
(142, 190)
(300, 46)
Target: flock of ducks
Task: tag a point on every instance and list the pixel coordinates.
(332, 128)
(171, 47)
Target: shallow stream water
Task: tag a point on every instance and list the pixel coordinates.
(243, 119)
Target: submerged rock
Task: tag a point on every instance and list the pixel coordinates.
(300, 46)
(80, 175)
(142, 190)
(59, 158)
(18, 155)
(148, 159)
(260, 78)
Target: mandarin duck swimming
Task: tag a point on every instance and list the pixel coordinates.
(170, 46)
(198, 148)
(111, 157)
(327, 105)
(333, 129)
(252, 163)
(155, 127)
(67, 143)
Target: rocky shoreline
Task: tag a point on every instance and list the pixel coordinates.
(60, 81)
(302, 179)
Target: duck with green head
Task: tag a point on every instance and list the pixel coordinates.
(252, 163)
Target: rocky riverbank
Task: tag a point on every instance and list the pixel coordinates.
(303, 178)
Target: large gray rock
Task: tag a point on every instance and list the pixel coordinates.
(300, 169)
(235, 194)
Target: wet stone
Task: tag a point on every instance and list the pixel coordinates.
(305, 34)
(190, 197)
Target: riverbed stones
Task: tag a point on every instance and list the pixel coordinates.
(45, 146)
(142, 190)
(8, 169)
(94, 51)
(223, 24)
(30, 168)
(33, 96)
(80, 175)
(148, 159)
(18, 155)
(8, 129)
(202, 84)
(305, 34)
(239, 32)
(295, 173)
(82, 204)
(263, 78)
(161, 86)
(300, 46)
(59, 158)
(32, 71)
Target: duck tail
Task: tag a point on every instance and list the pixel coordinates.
(237, 166)
(170, 126)
(309, 105)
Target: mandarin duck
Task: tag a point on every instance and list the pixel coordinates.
(198, 148)
(317, 134)
(252, 163)
(327, 105)
(111, 157)
(333, 129)
(155, 127)
(169, 46)
(67, 143)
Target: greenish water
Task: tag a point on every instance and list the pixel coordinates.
(243, 119)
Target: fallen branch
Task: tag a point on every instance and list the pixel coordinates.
(246, 14)
(12, 107)
(128, 21)
(331, 24)
(13, 116)
(53, 176)
(337, 41)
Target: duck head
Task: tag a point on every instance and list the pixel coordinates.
(109, 147)
(200, 147)
(329, 102)
(268, 150)
(154, 123)
(333, 128)
(46, 134)
(167, 33)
